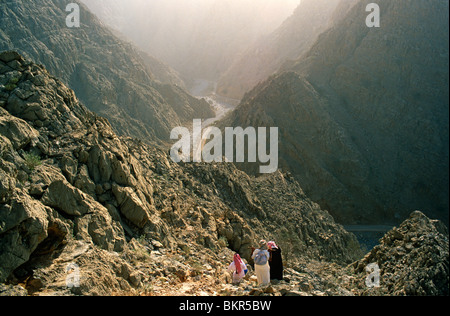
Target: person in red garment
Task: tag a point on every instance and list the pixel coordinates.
(238, 268)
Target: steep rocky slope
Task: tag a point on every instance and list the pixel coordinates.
(413, 259)
(363, 116)
(73, 192)
(288, 42)
(135, 92)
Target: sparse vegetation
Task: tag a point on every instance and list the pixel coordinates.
(32, 161)
(14, 80)
(223, 242)
(10, 86)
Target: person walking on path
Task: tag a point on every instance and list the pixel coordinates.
(261, 258)
(275, 261)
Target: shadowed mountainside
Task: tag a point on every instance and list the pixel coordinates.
(363, 116)
(288, 42)
(140, 96)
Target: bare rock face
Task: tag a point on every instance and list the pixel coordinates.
(41, 207)
(288, 42)
(24, 227)
(413, 259)
(64, 197)
(131, 206)
(17, 131)
(363, 115)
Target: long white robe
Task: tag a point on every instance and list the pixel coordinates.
(262, 271)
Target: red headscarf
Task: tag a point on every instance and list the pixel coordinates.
(237, 262)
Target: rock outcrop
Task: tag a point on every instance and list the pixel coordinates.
(413, 259)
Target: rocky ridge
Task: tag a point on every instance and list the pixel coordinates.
(76, 198)
(139, 95)
(413, 259)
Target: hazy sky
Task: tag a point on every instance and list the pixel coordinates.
(199, 38)
(133, 13)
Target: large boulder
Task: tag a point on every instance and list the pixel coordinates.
(65, 197)
(92, 220)
(23, 226)
(132, 206)
(16, 130)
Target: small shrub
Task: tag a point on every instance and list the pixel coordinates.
(223, 242)
(10, 86)
(32, 161)
(14, 80)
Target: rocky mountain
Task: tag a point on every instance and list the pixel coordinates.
(363, 116)
(288, 42)
(139, 95)
(74, 194)
(85, 211)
